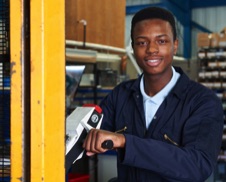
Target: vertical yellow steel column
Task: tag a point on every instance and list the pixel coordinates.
(16, 90)
(47, 90)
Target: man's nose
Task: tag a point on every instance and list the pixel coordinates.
(152, 48)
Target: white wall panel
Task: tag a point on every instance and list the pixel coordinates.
(214, 19)
(211, 18)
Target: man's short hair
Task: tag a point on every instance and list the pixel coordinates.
(154, 13)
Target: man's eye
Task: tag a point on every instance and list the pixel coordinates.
(162, 41)
(142, 43)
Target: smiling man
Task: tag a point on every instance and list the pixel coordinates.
(170, 126)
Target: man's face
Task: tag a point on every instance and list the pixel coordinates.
(154, 46)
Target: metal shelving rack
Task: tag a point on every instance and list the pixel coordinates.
(4, 92)
(212, 74)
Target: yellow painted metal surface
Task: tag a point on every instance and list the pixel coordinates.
(16, 91)
(47, 90)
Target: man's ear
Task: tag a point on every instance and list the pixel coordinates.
(175, 46)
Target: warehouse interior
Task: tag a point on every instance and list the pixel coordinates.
(43, 43)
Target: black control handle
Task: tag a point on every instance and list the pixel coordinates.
(107, 144)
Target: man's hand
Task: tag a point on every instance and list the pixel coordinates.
(95, 138)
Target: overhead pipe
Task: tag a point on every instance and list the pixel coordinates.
(109, 48)
(95, 46)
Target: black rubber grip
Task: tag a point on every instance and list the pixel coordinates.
(107, 144)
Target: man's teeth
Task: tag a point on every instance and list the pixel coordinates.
(153, 61)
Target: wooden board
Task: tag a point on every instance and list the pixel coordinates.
(105, 21)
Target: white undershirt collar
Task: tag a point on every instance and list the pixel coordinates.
(151, 104)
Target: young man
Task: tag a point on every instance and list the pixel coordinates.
(171, 127)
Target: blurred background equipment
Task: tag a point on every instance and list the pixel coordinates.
(4, 92)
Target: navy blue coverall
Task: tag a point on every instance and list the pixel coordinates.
(183, 140)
